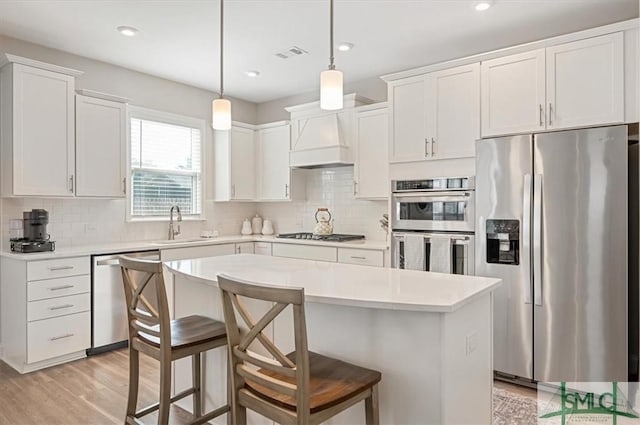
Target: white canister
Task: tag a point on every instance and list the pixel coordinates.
(246, 227)
(267, 228)
(256, 224)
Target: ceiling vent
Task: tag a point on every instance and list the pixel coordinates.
(291, 52)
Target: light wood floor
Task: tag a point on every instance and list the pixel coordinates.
(93, 391)
(84, 392)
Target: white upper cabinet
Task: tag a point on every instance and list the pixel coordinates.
(513, 94)
(585, 82)
(274, 143)
(407, 108)
(569, 85)
(453, 112)
(38, 134)
(436, 115)
(100, 147)
(371, 169)
(243, 171)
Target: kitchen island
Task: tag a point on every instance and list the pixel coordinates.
(428, 333)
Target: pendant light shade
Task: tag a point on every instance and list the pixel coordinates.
(331, 90)
(221, 114)
(221, 107)
(331, 79)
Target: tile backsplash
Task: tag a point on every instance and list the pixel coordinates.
(331, 188)
(77, 222)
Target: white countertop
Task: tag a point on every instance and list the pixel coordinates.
(345, 284)
(113, 248)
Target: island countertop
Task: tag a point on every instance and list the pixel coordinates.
(345, 284)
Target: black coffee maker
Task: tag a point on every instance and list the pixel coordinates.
(35, 237)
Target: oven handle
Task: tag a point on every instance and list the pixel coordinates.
(460, 194)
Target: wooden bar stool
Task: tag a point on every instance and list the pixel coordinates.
(299, 388)
(153, 333)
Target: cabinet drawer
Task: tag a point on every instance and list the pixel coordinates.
(263, 248)
(363, 257)
(56, 337)
(305, 252)
(186, 253)
(61, 287)
(54, 307)
(48, 269)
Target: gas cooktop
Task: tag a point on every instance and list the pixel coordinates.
(310, 236)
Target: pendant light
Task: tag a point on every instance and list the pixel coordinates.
(221, 107)
(331, 79)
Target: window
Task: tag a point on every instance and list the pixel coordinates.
(166, 164)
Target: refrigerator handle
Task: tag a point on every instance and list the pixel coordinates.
(537, 239)
(526, 236)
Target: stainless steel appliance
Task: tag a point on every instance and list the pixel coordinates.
(552, 223)
(441, 204)
(335, 237)
(35, 237)
(432, 224)
(108, 312)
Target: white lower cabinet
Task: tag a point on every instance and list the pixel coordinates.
(262, 248)
(45, 311)
(363, 257)
(245, 248)
(305, 252)
(56, 337)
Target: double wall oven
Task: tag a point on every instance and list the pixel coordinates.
(433, 222)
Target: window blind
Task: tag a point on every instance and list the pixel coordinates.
(166, 168)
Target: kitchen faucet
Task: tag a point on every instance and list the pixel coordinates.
(173, 233)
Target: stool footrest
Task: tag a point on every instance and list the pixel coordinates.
(214, 414)
(156, 406)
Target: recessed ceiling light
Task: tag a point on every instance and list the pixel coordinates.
(252, 74)
(127, 31)
(345, 47)
(483, 5)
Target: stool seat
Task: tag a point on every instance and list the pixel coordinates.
(331, 382)
(189, 331)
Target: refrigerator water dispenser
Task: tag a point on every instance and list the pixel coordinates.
(503, 241)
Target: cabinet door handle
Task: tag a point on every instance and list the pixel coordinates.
(286, 190)
(71, 183)
(550, 114)
(426, 146)
(355, 187)
(233, 190)
(124, 185)
(541, 116)
(433, 146)
(55, 338)
(58, 268)
(60, 307)
(59, 288)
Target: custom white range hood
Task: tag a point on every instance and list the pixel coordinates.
(323, 138)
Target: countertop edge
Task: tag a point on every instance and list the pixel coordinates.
(134, 246)
(396, 306)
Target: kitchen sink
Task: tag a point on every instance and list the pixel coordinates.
(179, 241)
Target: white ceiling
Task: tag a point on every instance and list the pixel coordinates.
(178, 39)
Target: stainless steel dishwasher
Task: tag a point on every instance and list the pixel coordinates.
(108, 312)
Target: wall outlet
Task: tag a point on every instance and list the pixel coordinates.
(90, 228)
(471, 343)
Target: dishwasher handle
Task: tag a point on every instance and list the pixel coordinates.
(113, 260)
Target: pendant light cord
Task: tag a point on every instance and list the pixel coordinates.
(221, 49)
(332, 66)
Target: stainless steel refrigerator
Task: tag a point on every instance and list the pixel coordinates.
(551, 213)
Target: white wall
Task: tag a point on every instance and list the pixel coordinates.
(372, 88)
(331, 188)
